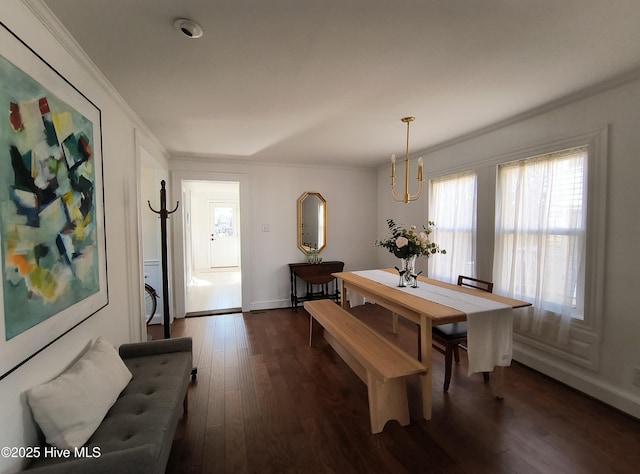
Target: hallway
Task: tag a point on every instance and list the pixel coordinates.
(214, 291)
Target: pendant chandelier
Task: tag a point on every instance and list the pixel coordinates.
(406, 197)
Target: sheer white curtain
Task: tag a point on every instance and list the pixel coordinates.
(452, 206)
(540, 238)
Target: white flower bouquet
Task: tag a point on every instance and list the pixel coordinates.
(405, 243)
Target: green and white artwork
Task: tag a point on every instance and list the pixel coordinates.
(47, 198)
(51, 224)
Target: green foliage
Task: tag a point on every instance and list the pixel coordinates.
(403, 242)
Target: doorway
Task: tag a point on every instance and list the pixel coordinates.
(213, 257)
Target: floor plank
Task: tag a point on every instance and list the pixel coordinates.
(264, 401)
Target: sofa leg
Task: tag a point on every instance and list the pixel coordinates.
(185, 403)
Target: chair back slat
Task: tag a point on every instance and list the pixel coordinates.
(475, 283)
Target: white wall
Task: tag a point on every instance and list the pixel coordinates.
(121, 224)
(150, 192)
(153, 170)
(272, 194)
(617, 108)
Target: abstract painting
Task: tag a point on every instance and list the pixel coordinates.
(51, 205)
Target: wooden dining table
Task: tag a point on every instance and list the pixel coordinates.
(425, 314)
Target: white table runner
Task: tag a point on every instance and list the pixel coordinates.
(489, 323)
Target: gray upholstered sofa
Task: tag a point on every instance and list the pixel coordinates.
(137, 433)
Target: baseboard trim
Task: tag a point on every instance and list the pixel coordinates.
(213, 312)
(270, 305)
(620, 399)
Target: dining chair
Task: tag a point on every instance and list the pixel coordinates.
(451, 336)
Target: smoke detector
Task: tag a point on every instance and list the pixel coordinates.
(188, 28)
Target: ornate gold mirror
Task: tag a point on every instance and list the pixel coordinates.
(312, 223)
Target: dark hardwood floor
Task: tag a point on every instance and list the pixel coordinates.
(265, 402)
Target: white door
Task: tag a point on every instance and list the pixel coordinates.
(224, 238)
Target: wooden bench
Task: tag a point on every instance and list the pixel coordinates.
(380, 365)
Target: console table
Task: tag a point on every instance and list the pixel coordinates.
(319, 282)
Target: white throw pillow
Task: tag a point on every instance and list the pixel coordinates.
(70, 408)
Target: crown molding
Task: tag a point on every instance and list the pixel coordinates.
(584, 93)
(42, 12)
(177, 159)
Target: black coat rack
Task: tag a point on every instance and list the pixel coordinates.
(164, 215)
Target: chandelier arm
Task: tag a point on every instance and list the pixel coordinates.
(416, 196)
(408, 197)
(396, 197)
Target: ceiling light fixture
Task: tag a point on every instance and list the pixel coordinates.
(188, 28)
(406, 198)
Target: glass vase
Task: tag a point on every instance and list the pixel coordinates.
(407, 271)
(410, 275)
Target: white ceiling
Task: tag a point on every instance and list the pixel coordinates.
(327, 81)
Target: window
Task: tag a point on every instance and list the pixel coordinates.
(540, 251)
(452, 206)
(539, 233)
